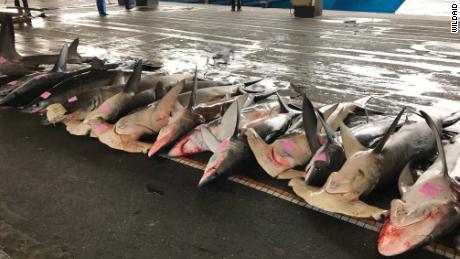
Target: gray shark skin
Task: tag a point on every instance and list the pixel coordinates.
(68, 91)
(38, 84)
(429, 207)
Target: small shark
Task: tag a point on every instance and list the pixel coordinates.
(428, 208)
(232, 153)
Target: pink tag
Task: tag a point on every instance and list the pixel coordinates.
(2, 60)
(38, 77)
(430, 190)
(105, 107)
(288, 144)
(224, 144)
(321, 157)
(45, 95)
(72, 99)
(101, 127)
(13, 83)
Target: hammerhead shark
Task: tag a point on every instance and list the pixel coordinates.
(430, 206)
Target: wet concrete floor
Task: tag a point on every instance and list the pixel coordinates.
(64, 196)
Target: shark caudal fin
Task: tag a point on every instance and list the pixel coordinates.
(132, 86)
(61, 64)
(437, 134)
(310, 123)
(73, 51)
(389, 132)
(7, 42)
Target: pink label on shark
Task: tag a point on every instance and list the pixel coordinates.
(100, 128)
(38, 77)
(321, 157)
(430, 190)
(288, 144)
(72, 99)
(45, 95)
(2, 60)
(13, 83)
(105, 107)
(224, 144)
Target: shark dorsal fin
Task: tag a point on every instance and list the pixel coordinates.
(349, 141)
(329, 132)
(437, 134)
(192, 101)
(309, 124)
(245, 100)
(132, 86)
(283, 106)
(210, 139)
(73, 50)
(389, 132)
(61, 63)
(7, 42)
(229, 120)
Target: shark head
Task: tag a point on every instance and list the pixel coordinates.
(328, 158)
(428, 208)
(220, 162)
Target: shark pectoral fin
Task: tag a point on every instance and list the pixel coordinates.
(121, 142)
(291, 174)
(406, 180)
(230, 122)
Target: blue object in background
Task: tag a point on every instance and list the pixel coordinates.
(101, 7)
(377, 6)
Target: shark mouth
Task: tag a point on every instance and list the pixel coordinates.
(395, 239)
(273, 159)
(164, 138)
(189, 145)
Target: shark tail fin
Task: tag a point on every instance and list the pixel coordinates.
(7, 42)
(61, 64)
(192, 101)
(132, 86)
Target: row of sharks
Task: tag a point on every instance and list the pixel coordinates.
(332, 155)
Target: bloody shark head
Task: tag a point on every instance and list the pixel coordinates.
(428, 208)
(191, 144)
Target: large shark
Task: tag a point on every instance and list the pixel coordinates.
(233, 152)
(428, 208)
(12, 63)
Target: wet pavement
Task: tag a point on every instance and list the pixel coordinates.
(66, 196)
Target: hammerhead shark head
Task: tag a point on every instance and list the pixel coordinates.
(429, 207)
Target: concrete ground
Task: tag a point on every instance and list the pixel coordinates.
(64, 196)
